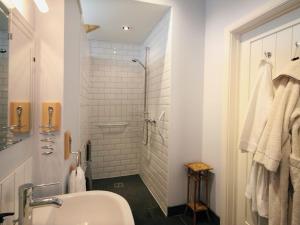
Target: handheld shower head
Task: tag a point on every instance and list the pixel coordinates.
(139, 62)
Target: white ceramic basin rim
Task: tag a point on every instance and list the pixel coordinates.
(86, 208)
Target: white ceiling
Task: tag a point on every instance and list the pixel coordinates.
(112, 15)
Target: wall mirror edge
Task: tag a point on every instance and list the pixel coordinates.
(18, 125)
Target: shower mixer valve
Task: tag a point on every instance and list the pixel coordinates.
(151, 121)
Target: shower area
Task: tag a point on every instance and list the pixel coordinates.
(128, 100)
(116, 113)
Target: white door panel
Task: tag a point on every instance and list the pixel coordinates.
(296, 38)
(269, 45)
(283, 49)
(256, 54)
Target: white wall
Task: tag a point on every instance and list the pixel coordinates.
(186, 94)
(50, 74)
(85, 85)
(185, 136)
(219, 15)
(71, 88)
(58, 62)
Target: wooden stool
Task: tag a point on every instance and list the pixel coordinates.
(198, 172)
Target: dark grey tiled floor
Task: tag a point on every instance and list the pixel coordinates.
(144, 208)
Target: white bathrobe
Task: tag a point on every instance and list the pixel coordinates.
(295, 178)
(295, 169)
(277, 131)
(255, 121)
(274, 147)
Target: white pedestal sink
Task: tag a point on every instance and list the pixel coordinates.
(86, 208)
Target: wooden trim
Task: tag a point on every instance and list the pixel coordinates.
(262, 15)
(270, 11)
(21, 23)
(275, 30)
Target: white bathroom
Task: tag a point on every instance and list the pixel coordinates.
(149, 112)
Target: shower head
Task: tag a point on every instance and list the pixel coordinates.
(139, 62)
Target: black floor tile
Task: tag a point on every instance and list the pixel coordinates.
(144, 208)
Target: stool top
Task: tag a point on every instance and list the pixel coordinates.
(198, 166)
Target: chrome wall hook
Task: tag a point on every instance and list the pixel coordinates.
(297, 44)
(268, 54)
(50, 112)
(19, 111)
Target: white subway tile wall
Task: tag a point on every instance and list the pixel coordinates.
(154, 157)
(3, 77)
(116, 96)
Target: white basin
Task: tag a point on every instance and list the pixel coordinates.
(86, 208)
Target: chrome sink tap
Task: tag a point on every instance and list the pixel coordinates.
(26, 203)
(46, 201)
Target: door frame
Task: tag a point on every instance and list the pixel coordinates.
(268, 12)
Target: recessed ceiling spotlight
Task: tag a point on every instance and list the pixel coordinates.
(126, 28)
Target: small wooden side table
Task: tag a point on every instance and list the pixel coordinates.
(197, 172)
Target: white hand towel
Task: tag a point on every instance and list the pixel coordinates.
(72, 180)
(255, 121)
(77, 181)
(258, 109)
(80, 180)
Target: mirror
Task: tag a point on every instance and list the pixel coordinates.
(16, 53)
(3, 76)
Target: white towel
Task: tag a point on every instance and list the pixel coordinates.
(295, 177)
(77, 181)
(257, 189)
(276, 133)
(295, 168)
(258, 109)
(255, 121)
(278, 190)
